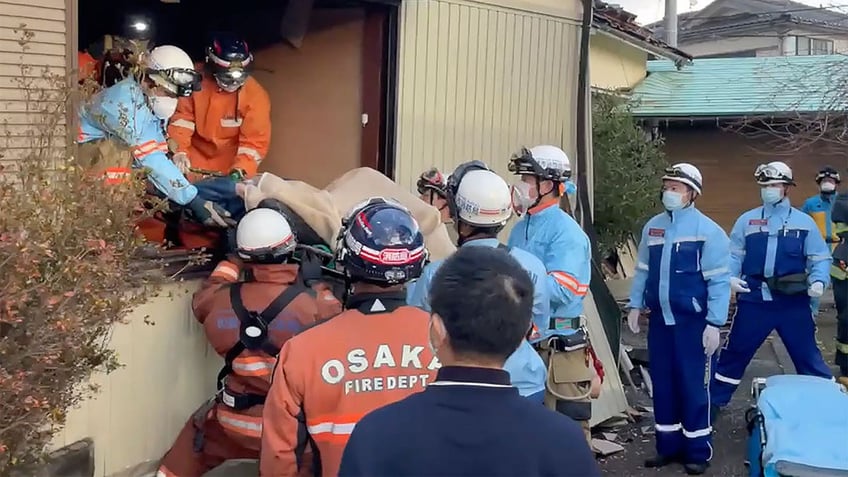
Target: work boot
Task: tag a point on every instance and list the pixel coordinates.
(696, 469)
(659, 461)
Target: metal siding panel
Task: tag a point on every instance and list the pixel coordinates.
(477, 81)
(24, 66)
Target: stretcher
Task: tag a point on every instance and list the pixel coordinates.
(798, 426)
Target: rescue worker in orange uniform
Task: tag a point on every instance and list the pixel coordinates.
(226, 126)
(248, 311)
(374, 353)
(87, 66)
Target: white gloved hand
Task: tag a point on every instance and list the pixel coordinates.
(711, 340)
(816, 289)
(182, 162)
(738, 285)
(633, 319)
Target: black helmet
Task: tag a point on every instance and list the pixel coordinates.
(380, 243)
(826, 172)
(431, 180)
(229, 61)
(456, 178)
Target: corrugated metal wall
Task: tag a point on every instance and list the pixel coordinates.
(33, 46)
(477, 81)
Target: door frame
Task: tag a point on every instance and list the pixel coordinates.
(379, 84)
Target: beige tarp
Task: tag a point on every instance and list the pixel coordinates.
(323, 209)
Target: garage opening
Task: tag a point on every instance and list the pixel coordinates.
(328, 66)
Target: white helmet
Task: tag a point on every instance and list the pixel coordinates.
(483, 199)
(685, 174)
(774, 173)
(171, 68)
(264, 234)
(545, 162)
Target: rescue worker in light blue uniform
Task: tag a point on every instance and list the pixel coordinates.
(552, 235)
(481, 205)
(819, 207)
(779, 261)
(559, 242)
(682, 276)
(132, 111)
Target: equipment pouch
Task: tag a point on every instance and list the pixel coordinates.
(569, 383)
(794, 284)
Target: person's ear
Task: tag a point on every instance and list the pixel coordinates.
(438, 332)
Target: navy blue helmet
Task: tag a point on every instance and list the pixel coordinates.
(229, 60)
(380, 243)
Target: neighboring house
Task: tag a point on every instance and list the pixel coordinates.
(737, 28)
(701, 110)
(619, 49)
(399, 86)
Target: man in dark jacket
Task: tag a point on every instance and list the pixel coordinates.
(470, 421)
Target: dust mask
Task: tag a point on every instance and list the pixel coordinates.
(521, 199)
(827, 187)
(163, 106)
(672, 200)
(771, 195)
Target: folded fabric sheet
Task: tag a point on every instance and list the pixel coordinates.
(806, 422)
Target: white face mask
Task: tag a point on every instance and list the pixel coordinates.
(163, 106)
(521, 199)
(827, 186)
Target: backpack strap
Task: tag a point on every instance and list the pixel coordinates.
(260, 322)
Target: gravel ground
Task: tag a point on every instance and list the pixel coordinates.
(729, 439)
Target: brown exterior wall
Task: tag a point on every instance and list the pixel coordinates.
(727, 161)
(316, 99)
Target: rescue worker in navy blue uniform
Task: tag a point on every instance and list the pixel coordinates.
(470, 421)
(819, 207)
(779, 260)
(682, 276)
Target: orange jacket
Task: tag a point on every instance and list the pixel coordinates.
(87, 66)
(223, 131)
(331, 375)
(251, 370)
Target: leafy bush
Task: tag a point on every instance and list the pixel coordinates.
(67, 248)
(628, 167)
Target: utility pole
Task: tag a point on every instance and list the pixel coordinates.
(670, 22)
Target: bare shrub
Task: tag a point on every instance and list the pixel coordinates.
(68, 248)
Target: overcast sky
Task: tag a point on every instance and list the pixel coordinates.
(652, 10)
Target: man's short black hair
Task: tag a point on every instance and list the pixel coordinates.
(485, 299)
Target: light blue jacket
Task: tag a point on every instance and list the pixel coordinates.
(556, 239)
(526, 369)
(774, 241)
(121, 112)
(682, 268)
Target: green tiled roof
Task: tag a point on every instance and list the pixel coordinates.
(717, 87)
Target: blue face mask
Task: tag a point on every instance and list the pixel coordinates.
(570, 188)
(672, 200)
(771, 195)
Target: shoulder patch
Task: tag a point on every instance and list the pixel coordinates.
(656, 232)
(758, 222)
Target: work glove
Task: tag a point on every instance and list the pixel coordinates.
(816, 289)
(711, 340)
(738, 285)
(633, 319)
(182, 162)
(209, 213)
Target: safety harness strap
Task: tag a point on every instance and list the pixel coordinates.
(262, 321)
